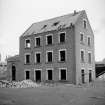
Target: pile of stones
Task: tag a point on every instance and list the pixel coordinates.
(19, 84)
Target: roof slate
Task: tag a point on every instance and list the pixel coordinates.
(14, 58)
(48, 25)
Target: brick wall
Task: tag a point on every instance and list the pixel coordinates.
(87, 32)
(56, 46)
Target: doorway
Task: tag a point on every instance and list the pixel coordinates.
(27, 75)
(83, 76)
(49, 74)
(13, 73)
(90, 75)
(38, 75)
(63, 74)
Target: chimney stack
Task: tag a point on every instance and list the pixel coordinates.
(75, 12)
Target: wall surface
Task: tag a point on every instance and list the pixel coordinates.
(56, 46)
(84, 46)
(73, 47)
(18, 70)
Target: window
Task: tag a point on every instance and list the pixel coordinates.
(37, 57)
(37, 41)
(82, 56)
(49, 56)
(27, 74)
(27, 43)
(27, 58)
(62, 37)
(83, 76)
(81, 37)
(84, 23)
(63, 74)
(89, 41)
(62, 55)
(89, 57)
(49, 74)
(49, 40)
(90, 75)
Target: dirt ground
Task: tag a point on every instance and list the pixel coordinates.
(93, 94)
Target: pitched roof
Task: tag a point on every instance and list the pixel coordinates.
(13, 58)
(52, 24)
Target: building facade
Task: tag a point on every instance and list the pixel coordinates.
(59, 50)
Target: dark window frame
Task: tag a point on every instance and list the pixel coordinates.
(49, 60)
(83, 76)
(37, 43)
(28, 44)
(62, 58)
(51, 71)
(89, 57)
(90, 75)
(64, 37)
(82, 37)
(27, 76)
(63, 77)
(37, 60)
(85, 23)
(27, 58)
(82, 56)
(38, 75)
(89, 41)
(49, 41)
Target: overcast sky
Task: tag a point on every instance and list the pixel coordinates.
(17, 15)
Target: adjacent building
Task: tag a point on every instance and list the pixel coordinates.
(3, 65)
(100, 69)
(59, 50)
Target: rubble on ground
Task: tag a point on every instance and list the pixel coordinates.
(19, 84)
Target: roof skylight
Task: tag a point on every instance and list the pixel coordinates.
(56, 23)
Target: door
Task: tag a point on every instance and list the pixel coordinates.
(27, 75)
(83, 76)
(90, 75)
(38, 75)
(63, 74)
(13, 73)
(49, 74)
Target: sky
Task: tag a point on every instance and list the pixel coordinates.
(17, 15)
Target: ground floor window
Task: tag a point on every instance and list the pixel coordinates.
(63, 74)
(90, 75)
(83, 76)
(49, 74)
(27, 74)
(38, 75)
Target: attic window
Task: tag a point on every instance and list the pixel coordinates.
(44, 26)
(84, 23)
(56, 23)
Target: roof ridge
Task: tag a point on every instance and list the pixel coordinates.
(63, 21)
(57, 17)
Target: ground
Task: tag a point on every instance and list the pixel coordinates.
(93, 94)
